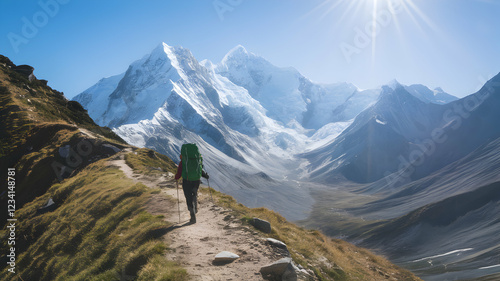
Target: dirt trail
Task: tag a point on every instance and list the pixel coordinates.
(194, 246)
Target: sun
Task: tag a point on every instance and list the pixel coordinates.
(371, 16)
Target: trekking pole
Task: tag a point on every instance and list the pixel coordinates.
(210, 189)
(178, 202)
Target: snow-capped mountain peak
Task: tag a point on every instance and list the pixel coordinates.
(287, 95)
(163, 51)
(393, 84)
(237, 53)
(240, 64)
(438, 90)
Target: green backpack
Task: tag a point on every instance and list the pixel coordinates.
(192, 163)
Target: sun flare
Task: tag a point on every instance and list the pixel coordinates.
(371, 17)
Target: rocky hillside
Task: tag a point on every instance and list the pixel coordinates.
(88, 206)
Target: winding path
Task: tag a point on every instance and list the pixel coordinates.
(194, 246)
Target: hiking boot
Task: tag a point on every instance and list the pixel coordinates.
(193, 218)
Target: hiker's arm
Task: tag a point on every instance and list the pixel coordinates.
(178, 175)
(204, 174)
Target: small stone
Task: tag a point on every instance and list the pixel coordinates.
(225, 256)
(276, 243)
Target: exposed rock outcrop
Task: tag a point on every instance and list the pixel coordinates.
(261, 225)
(282, 269)
(26, 71)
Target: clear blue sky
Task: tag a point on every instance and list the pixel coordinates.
(454, 44)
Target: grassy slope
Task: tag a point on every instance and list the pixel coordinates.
(36, 122)
(148, 162)
(25, 105)
(329, 259)
(99, 231)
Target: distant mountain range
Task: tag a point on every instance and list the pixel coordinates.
(428, 179)
(272, 137)
(253, 112)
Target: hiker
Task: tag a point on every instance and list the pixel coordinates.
(191, 170)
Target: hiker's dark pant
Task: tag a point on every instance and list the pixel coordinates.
(190, 189)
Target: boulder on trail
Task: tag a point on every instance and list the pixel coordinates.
(282, 269)
(279, 247)
(261, 225)
(225, 257)
(290, 273)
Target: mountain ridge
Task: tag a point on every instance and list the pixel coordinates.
(456, 161)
